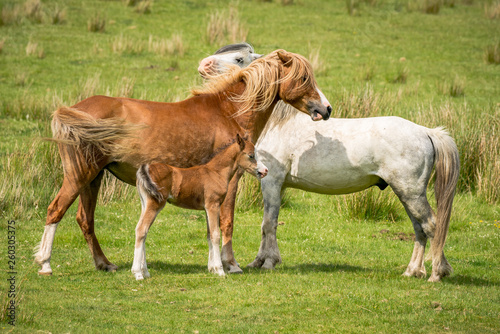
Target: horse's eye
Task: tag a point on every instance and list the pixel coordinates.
(304, 79)
(239, 60)
(251, 156)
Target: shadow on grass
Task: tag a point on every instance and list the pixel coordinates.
(324, 267)
(467, 280)
(168, 267)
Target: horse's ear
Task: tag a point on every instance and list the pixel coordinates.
(255, 56)
(284, 57)
(240, 141)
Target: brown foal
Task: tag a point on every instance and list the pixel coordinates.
(198, 188)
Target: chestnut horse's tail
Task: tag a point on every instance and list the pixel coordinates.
(447, 165)
(145, 182)
(91, 136)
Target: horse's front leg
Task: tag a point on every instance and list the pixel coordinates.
(226, 226)
(213, 238)
(269, 254)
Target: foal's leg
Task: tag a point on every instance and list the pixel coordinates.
(226, 226)
(213, 237)
(85, 218)
(150, 210)
(269, 254)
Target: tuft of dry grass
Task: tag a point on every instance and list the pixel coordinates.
(144, 7)
(11, 15)
(57, 15)
(2, 43)
(33, 10)
(369, 204)
(123, 88)
(492, 10)
(33, 49)
(89, 87)
(249, 193)
(131, 3)
(173, 46)
(23, 185)
(425, 6)
(96, 23)
(492, 54)
(363, 103)
(113, 189)
(318, 64)
(352, 7)
(122, 44)
(401, 75)
(478, 143)
(225, 27)
(457, 87)
(368, 72)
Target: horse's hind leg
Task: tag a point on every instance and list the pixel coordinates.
(85, 218)
(149, 211)
(423, 220)
(56, 210)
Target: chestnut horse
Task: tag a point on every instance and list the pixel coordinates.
(120, 134)
(350, 155)
(201, 187)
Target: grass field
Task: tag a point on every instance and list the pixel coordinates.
(433, 62)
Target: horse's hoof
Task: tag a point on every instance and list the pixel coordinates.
(111, 268)
(45, 273)
(434, 278)
(139, 277)
(268, 264)
(419, 273)
(235, 270)
(257, 263)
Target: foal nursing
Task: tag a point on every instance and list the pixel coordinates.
(201, 187)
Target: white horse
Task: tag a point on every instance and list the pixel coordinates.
(344, 156)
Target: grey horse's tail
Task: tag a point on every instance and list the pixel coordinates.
(447, 165)
(145, 182)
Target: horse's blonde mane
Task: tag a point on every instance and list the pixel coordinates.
(262, 79)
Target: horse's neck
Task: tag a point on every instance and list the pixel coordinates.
(252, 122)
(224, 163)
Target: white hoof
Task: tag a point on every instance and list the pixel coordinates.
(217, 270)
(46, 270)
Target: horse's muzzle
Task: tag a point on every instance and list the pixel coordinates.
(320, 112)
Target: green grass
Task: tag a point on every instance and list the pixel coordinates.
(342, 256)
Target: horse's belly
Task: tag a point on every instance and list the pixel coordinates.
(336, 185)
(123, 171)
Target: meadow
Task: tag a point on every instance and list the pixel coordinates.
(434, 62)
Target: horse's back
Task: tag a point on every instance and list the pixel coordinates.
(346, 155)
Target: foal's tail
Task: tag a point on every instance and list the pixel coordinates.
(145, 182)
(74, 127)
(447, 164)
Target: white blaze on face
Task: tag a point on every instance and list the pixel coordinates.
(217, 64)
(324, 100)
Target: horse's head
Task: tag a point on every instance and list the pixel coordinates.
(246, 159)
(240, 54)
(299, 88)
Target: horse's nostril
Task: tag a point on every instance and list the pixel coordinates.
(329, 109)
